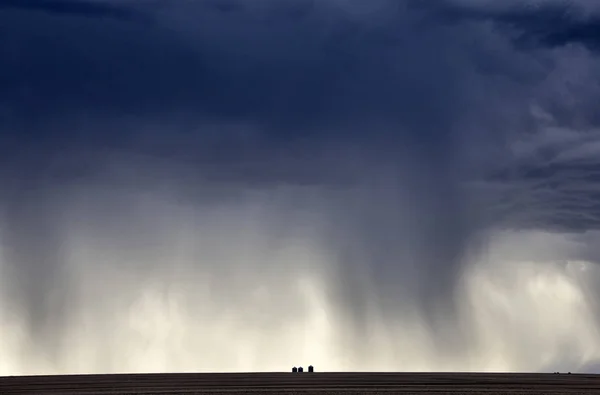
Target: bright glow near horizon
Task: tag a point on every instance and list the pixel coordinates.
(251, 314)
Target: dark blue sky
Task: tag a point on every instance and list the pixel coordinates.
(289, 67)
(405, 124)
(432, 78)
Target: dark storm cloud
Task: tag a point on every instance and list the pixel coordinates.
(278, 69)
(557, 27)
(550, 23)
(72, 7)
(562, 197)
(294, 73)
(385, 113)
(279, 65)
(554, 186)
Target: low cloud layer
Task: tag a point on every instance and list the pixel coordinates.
(214, 177)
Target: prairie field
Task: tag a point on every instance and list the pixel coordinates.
(304, 383)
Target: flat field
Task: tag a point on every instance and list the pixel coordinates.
(304, 383)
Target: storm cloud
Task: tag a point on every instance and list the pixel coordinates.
(79, 8)
(226, 177)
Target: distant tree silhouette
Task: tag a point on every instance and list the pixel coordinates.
(311, 369)
(294, 369)
(300, 369)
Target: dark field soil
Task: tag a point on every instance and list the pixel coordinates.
(304, 383)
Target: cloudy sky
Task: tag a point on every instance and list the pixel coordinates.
(229, 185)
